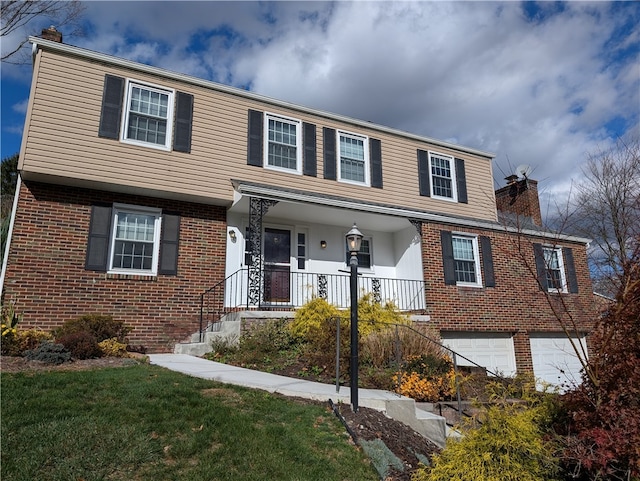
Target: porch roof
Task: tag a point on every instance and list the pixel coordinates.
(254, 189)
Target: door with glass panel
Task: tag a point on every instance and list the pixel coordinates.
(277, 265)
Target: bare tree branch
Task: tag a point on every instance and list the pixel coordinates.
(31, 15)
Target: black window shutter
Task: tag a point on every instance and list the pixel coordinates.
(309, 162)
(98, 242)
(461, 181)
(375, 158)
(423, 173)
(329, 147)
(111, 107)
(487, 262)
(169, 245)
(572, 280)
(448, 262)
(184, 120)
(254, 144)
(541, 267)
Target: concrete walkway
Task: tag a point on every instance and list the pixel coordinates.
(398, 407)
(198, 367)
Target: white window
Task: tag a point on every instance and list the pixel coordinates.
(365, 254)
(466, 260)
(135, 240)
(554, 265)
(283, 141)
(354, 158)
(148, 115)
(442, 173)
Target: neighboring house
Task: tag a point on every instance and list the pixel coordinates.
(159, 198)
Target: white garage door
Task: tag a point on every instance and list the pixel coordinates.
(491, 350)
(554, 359)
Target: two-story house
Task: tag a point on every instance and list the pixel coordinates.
(148, 194)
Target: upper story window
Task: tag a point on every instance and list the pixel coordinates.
(148, 115)
(442, 171)
(467, 260)
(283, 143)
(441, 176)
(354, 158)
(135, 240)
(142, 114)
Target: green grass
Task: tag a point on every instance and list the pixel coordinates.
(148, 423)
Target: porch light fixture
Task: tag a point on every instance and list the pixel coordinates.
(354, 239)
(232, 235)
(323, 244)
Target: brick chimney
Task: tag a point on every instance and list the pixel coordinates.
(520, 197)
(52, 34)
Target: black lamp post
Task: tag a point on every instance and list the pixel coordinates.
(354, 239)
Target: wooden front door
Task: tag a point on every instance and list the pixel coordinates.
(277, 265)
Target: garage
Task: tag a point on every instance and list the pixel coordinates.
(491, 350)
(554, 359)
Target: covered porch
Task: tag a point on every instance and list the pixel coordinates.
(285, 247)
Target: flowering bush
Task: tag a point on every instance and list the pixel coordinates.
(426, 378)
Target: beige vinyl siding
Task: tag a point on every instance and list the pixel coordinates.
(63, 141)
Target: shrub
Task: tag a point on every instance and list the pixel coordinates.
(509, 445)
(426, 378)
(113, 348)
(31, 338)
(310, 318)
(82, 345)
(374, 317)
(10, 320)
(389, 346)
(100, 326)
(49, 353)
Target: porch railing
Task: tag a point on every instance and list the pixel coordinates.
(290, 290)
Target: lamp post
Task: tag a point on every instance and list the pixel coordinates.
(354, 239)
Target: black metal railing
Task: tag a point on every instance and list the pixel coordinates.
(290, 290)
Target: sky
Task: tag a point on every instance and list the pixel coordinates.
(542, 84)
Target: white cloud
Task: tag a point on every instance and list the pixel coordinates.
(537, 90)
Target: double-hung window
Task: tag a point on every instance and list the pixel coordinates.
(283, 141)
(365, 254)
(354, 158)
(443, 176)
(555, 279)
(148, 115)
(466, 260)
(135, 240)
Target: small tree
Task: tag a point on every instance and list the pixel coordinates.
(603, 430)
(606, 208)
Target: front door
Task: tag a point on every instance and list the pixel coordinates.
(277, 265)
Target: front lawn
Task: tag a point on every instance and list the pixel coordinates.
(145, 422)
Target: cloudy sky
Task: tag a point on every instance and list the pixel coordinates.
(541, 84)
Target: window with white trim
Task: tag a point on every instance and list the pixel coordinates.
(135, 240)
(443, 176)
(148, 115)
(555, 278)
(365, 254)
(283, 143)
(466, 258)
(353, 151)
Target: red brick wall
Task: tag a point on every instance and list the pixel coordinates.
(46, 276)
(516, 305)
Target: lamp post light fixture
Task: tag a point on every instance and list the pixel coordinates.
(354, 239)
